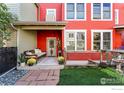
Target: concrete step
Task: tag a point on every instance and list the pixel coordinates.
(38, 67)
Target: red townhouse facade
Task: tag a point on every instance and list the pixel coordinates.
(89, 27)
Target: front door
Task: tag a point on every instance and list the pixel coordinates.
(51, 46)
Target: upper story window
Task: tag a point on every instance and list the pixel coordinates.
(75, 11)
(96, 11)
(80, 10)
(106, 11)
(116, 16)
(102, 11)
(70, 11)
(50, 14)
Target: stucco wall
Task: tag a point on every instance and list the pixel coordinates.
(26, 40)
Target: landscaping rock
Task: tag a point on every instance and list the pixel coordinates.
(11, 77)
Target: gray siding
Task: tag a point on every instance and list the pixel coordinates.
(28, 12)
(24, 11)
(14, 8)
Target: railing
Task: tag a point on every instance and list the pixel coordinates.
(8, 58)
(118, 58)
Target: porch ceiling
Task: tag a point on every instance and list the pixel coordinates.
(28, 25)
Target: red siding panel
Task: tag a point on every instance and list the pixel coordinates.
(88, 25)
(42, 37)
(86, 56)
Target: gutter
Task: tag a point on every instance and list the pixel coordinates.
(37, 5)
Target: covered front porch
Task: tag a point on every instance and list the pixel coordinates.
(47, 36)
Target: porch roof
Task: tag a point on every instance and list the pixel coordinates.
(121, 27)
(40, 25)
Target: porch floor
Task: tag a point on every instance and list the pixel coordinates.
(48, 61)
(44, 63)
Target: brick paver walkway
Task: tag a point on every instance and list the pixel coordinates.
(40, 77)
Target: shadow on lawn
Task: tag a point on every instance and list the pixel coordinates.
(90, 76)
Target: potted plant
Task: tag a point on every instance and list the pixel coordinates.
(31, 61)
(22, 60)
(61, 60)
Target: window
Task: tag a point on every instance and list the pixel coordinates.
(80, 41)
(80, 11)
(96, 40)
(106, 40)
(106, 11)
(75, 40)
(70, 10)
(101, 11)
(101, 40)
(70, 41)
(116, 16)
(50, 14)
(51, 43)
(75, 11)
(96, 11)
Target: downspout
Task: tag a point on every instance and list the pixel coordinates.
(13, 27)
(38, 11)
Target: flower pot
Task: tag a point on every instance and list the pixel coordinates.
(22, 64)
(61, 60)
(30, 64)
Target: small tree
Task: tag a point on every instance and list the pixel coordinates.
(6, 20)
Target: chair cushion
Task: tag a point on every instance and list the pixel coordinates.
(37, 51)
(28, 53)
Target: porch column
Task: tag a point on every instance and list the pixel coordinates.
(63, 50)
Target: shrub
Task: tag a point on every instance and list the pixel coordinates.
(21, 58)
(31, 61)
(103, 65)
(6, 20)
(61, 59)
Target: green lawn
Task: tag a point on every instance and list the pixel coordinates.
(90, 76)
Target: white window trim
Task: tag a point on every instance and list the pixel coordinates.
(101, 13)
(101, 31)
(73, 30)
(117, 16)
(75, 14)
(51, 9)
